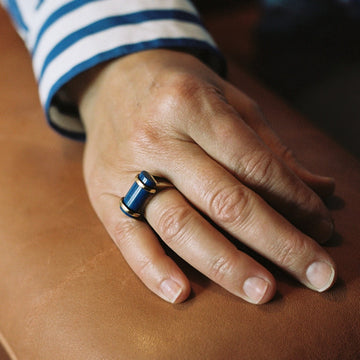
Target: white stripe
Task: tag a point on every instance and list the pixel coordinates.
(41, 15)
(112, 38)
(95, 10)
(87, 15)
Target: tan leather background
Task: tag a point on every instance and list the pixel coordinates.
(66, 292)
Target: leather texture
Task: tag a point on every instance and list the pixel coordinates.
(67, 293)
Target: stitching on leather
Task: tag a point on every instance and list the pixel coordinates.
(50, 294)
(75, 274)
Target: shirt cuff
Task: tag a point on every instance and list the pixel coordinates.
(79, 35)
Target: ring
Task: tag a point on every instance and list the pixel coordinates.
(141, 191)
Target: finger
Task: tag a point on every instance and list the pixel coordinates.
(252, 114)
(186, 232)
(143, 252)
(231, 142)
(247, 217)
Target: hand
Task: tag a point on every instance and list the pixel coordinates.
(167, 113)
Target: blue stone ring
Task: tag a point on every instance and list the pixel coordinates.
(141, 191)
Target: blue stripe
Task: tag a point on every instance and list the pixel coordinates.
(16, 14)
(40, 2)
(183, 43)
(56, 16)
(111, 22)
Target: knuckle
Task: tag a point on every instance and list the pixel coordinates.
(176, 93)
(286, 153)
(152, 137)
(313, 201)
(185, 85)
(172, 223)
(222, 267)
(144, 267)
(180, 89)
(145, 140)
(229, 204)
(259, 167)
(254, 108)
(290, 252)
(122, 233)
(185, 92)
(309, 204)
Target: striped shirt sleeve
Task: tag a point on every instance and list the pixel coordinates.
(67, 37)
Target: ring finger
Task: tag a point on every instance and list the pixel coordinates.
(186, 232)
(143, 252)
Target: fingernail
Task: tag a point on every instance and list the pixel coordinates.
(320, 275)
(325, 230)
(171, 290)
(255, 288)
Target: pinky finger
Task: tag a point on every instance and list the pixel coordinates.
(324, 186)
(144, 254)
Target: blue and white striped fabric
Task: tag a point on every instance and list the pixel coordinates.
(67, 37)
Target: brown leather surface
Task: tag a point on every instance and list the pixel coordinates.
(66, 292)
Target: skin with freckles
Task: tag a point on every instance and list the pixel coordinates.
(166, 112)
